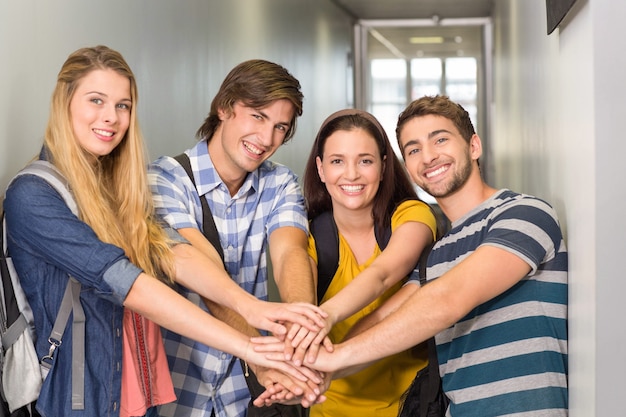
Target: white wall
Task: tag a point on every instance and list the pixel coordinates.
(558, 133)
(180, 52)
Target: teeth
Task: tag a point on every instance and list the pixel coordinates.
(253, 149)
(352, 188)
(103, 132)
(436, 172)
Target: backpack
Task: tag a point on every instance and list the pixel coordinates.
(424, 397)
(21, 371)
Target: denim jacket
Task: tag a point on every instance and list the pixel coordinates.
(47, 242)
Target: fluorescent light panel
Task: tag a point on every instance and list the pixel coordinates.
(426, 40)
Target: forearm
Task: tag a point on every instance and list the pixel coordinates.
(197, 272)
(361, 291)
(423, 313)
(394, 264)
(230, 317)
(164, 306)
(291, 265)
(294, 280)
(388, 307)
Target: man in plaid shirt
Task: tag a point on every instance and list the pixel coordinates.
(257, 205)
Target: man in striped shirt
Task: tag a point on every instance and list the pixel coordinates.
(496, 296)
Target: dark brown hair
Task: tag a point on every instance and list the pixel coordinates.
(395, 185)
(257, 84)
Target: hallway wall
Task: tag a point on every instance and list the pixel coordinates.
(180, 51)
(558, 134)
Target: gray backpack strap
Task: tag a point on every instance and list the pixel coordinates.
(71, 298)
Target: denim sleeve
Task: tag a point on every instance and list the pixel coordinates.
(43, 232)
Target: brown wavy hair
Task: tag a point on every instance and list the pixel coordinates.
(257, 84)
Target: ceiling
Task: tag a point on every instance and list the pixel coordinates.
(392, 23)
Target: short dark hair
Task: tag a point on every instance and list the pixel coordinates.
(439, 105)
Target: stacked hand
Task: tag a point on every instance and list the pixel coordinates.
(288, 358)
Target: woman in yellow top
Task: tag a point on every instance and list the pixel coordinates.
(353, 172)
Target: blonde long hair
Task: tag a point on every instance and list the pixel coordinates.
(112, 194)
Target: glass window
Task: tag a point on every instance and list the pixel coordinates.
(425, 77)
(388, 78)
(461, 85)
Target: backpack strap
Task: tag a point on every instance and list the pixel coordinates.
(10, 313)
(324, 230)
(428, 395)
(208, 223)
(50, 173)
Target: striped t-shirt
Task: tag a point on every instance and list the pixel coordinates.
(508, 356)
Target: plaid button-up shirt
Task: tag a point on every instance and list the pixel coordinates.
(270, 198)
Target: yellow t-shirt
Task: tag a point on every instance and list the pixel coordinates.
(376, 390)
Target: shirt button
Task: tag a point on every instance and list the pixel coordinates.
(228, 210)
(223, 356)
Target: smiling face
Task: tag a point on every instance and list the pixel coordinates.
(351, 169)
(437, 157)
(246, 137)
(100, 111)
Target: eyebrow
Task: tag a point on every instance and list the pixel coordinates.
(106, 95)
(266, 117)
(360, 155)
(430, 136)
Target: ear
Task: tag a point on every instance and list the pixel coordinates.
(476, 147)
(320, 169)
(223, 114)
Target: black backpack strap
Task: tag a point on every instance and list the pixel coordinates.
(324, 231)
(382, 234)
(428, 395)
(208, 224)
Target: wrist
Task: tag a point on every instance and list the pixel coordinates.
(247, 306)
(333, 317)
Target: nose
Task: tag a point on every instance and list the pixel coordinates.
(429, 153)
(109, 114)
(266, 135)
(352, 171)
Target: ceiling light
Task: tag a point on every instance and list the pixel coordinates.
(426, 39)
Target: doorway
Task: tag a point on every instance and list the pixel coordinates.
(398, 61)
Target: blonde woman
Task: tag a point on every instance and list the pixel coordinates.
(118, 251)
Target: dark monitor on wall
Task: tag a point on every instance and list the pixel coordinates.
(556, 11)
